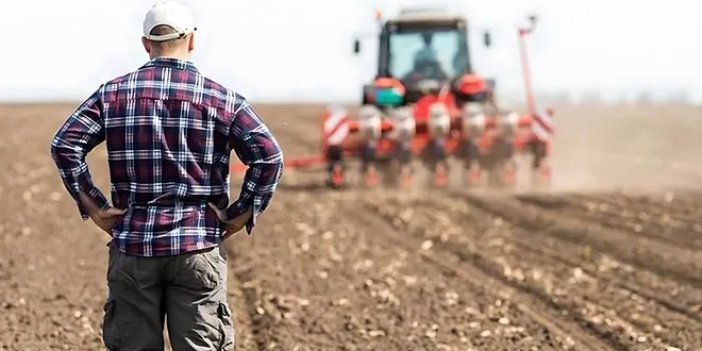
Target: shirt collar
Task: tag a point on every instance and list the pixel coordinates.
(171, 62)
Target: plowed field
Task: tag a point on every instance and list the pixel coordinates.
(608, 259)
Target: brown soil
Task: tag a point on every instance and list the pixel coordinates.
(609, 259)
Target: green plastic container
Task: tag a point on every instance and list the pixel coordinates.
(388, 97)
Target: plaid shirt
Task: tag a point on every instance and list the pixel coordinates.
(169, 133)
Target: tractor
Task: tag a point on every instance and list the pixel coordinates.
(428, 104)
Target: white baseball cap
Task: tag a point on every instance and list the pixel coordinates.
(172, 14)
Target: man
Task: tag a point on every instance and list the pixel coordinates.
(169, 133)
(427, 53)
(427, 64)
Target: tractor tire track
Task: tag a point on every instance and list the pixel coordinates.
(379, 308)
(564, 256)
(671, 210)
(620, 294)
(687, 206)
(664, 260)
(586, 308)
(480, 281)
(639, 220)
(479, 268)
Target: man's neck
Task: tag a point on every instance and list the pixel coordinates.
(185, 57)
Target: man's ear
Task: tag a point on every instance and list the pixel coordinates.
(191, 43)
(147, 47)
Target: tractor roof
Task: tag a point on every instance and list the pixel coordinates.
(424, 14)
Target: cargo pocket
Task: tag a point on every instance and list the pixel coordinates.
(109, 329)
(226, 328)
(197, 272)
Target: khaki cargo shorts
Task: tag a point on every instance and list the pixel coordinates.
(187, 293)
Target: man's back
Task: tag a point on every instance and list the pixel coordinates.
(169, 133)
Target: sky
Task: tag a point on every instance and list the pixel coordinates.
(280, 50)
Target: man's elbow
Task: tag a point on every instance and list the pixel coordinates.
(55, 150)
(275, 159)
(280, 162)
(281, 166)
(60, 152)
(281, 158)
(275, 165)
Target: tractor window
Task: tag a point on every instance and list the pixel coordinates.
(428, 54)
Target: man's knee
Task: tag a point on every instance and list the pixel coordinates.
(110, 334)
(212, 328)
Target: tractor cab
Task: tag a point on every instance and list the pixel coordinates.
(424, 106)
(421, 50)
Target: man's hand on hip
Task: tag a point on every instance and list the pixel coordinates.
(231, 227)
(105, 219)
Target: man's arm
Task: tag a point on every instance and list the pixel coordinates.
(258, 149)
(83, 130)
